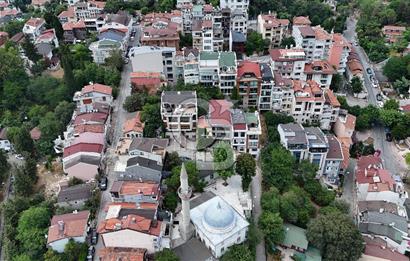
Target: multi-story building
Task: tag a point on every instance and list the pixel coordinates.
(248, 83)
(282, 94)
(91, 12)
(301, 21)
(34, 27)
(218, 69)
(305, 143)
(308, 102)
(239, 21)
(320, 72)
(179, 110)
(290, 63)
(246, 132)
(102, 49)
(339, 52)
(331, 110)
(266, 87)
(74, 31)
(235, 4)
(333, 162)
(273, 28)
(186, 12)
(91, 94)
(181, 3)
(153, 59)
(314, 40)
(161, 33)
(191, 66)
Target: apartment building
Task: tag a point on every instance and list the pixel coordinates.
(190, 66)
(308, 102)
(266, 87)
(161, 33)
(290, 63)
(246, 132)
(273, 28)
(249, 81)
(333, 162)
(218, 69)
(239, 20)
(319, 71)
(74, 31)
(339, 52)
(34, 27)
(153, 59)
(91, 12)
(282, 94)
(305, 143)
(179, 110)
(102, 49)
(315, 41)
(393, 33)
(186, 13)
(331, 110)
(202, 35)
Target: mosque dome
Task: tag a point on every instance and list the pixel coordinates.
(219, 218)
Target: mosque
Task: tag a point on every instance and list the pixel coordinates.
(213, 221)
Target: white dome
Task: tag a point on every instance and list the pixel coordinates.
(219, 218)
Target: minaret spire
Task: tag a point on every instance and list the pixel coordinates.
(184, 193)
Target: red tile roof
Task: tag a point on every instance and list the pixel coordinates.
(282, 55)
(405, 108)
(39, 2)
(134, 124)
(35, 22)
(84, 118)
(248, 67)
(335, 148)
(74, 25)
(331, 98)
(96, 128)
(132, 222)
(319, 67)
(82, 147)
(69, 13)
(75, 225)
(219, 111)
(306, 31)
(135, 188)
(96, 87)
(378, 248)
(121, 253)
(369, 171)
(270, 21)
(301, 20)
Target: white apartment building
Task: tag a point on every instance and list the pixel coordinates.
(331, 110)
(246, 132)
(290, 63)
(179, 110)
(239, 20)
(182, 3)
(305, 143)
(33, 28)
(153, 59)
(319, 71)
(308, 102)
(315, 41)
(282, 94)
(235, 4)
(273, 28)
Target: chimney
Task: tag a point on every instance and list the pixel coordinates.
(60, 227)
(117, 226)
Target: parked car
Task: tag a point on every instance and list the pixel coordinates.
(369, 71)
(183, 158)
(90, 254)
(379, 97)
(389, 137)
(103, 183)
(94, 237)
(19, 156)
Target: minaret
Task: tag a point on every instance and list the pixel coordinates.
(184, 193)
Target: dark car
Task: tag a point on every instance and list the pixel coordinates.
(379, 97)
(184, 159)
(94, 237)
(369, 71)
(389, 137)
(90, 254)
(103, 183)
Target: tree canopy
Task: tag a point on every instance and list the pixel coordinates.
(246, 168)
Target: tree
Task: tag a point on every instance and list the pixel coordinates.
(115, 60)
(172, 160)
(254, 43)
(337, 82)
(63, 112)
(246, 168)
(396, 68)
(134, 102)
(391, 104)
(166, 255)
(277, 168)
(223, 160)
(402, 86)
(4, 165)
(13, 27)
(185, 40)
(295, 207)
(272, 226)
(25, 178)
(30, 51)
(356, 85)
(336, 237)
(238, 253)
(23, 142)
(151, 116)
(287, 42)
(74, 251)
(52, 21)
(67, 64)
(31, 228)
(173, 182)
(235, 94)
(270, 200)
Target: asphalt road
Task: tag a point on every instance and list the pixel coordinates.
(378, 134)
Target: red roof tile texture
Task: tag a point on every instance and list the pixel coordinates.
(82, 147)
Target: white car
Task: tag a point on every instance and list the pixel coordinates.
(19, 156)
(380, 104)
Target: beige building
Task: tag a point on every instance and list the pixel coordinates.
(273, 28)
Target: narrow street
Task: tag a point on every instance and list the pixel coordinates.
(257, 210)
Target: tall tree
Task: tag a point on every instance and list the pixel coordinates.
(277, 168)
(52, 21)
(272, 226)
(23, 142)
(223, 160)
(4, 165)
(238, 253)
(336, 237)
(67, 64)
(246, 168)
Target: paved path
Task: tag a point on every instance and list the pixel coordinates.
(257, 210)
